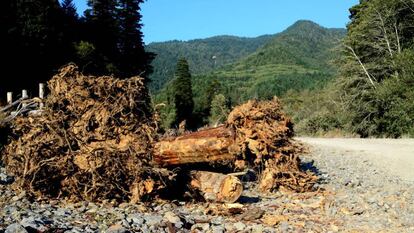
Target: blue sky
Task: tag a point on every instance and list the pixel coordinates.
(192, 19)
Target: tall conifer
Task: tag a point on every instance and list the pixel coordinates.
(183, 94)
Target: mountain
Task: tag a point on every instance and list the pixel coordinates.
(298, 58)
(203, 55)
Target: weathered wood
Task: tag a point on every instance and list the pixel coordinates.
(9, 98)
(24, 97)
(216, 187)
(10, 106)
(210, 145)
(41, 94)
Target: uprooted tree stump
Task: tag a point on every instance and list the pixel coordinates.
(97, 140)
(93, 141)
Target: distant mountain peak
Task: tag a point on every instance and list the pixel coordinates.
(304, 25)
(304, 22)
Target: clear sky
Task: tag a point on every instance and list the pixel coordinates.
(192, 19)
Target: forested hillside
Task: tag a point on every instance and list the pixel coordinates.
(296, 59)
(203, 55)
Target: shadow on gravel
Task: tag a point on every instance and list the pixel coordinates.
(248, 200)
(309, 166)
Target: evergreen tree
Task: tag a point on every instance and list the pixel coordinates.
(33, 40)
(71, 30)
(134, 60)
(103, 32)
(183, 94)
(8, 34)
(69, 9)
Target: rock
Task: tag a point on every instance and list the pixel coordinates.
(5, 179)
(171, 217)
(284, 226)
(257, 228)
(62, 212)
(229, 227)
(135, 219)
(117, 229)
(203, 227)
(217, 229)
(19, 197)
(15, 228)
(35, 224)
(239, 226)
(153, 220)
(218, 221)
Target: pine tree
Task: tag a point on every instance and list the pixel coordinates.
(70, 30)
(103, 32)
(8, 34)
(69, 8)
(183, 94)
(35, 37)
(134, 60)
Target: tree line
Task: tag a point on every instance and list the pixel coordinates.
(374, 93)
(41, 36)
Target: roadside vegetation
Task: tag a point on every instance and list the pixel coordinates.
(374, 93)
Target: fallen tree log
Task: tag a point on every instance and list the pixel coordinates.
(216, 187)
(205, 146)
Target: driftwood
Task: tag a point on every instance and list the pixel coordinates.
(216, 187)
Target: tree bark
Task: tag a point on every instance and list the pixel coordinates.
(216, 187)
(210, 145)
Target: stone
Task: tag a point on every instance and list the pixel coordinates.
(171, 217)
(229, 227)
(203, 227)
(217, 229)
(138, 220)
(257, 228)
(62, 212)
(34, 224)
(239, 226)
(19, 197)
(117, 229)
(5, 179)
(284, 226)
(153, 220)
(15, 228)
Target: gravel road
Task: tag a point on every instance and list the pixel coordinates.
(396, 156)
(372, 181)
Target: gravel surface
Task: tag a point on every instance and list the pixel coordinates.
(395, 156)
(356, 195)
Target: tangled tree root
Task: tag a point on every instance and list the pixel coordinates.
(92, 142)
